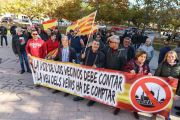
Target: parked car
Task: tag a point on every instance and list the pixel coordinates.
(25, 20)
(149, 31)
(35, 22)
(116, 28)
(7, 19)
(133, 29)
(102, 26)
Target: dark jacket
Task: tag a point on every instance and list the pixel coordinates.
(117, 60)
(130, 65)
(46, 37)
(166, 70)
(162, 53)
(75, 43)
(99, 60)
(24, 29)
(28, 35)
(69, 35)
(101, 46)
(72, 54)
(125, 35)
(58, 36)
(85, 39)
(130, 53)
(3, 31)
(144, 38)
(140, 39)
(42, 36)
(13, 30)
(16, 43)
(135, 38)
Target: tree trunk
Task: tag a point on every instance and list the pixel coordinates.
(172, 36)
(128, 23)
(159, 32)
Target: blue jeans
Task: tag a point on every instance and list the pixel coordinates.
(135, 46)
(77, 54)
(23, 55)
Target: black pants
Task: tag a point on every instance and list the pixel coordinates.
(5, 37)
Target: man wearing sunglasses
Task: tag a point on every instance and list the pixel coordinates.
(36, 46)
(77, 43)
(19, 42)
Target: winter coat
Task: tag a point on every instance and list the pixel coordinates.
(140, 39)
(28, 35)
(69, 35)
(36, 48)
(16, 43)
(13, 30)
(162, 53)
(85, 39)
(177, 50)
(148, 49)
(46, 37)
(72, 54)
(130, 65)
(130, 53)
(166, 70)
(52, 45)
(3, 31)
(99, 60)
(135, 38)
(116, 60)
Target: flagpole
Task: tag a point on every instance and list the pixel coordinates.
(90, 32)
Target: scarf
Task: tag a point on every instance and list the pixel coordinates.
(172, 64)
(140, 67)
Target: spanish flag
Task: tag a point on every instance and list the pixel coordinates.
(85, 24)
(95, 29)
(74, 27)
(49, 24)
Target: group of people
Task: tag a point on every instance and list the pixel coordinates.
(129, 53)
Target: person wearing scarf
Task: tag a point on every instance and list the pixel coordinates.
(136, 65)
(169, 68)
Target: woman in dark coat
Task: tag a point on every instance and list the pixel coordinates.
(137, 65)
(170, 68)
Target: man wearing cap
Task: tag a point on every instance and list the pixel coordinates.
(13, 29)
(70, 34)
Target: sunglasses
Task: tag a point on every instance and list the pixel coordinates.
(35, 34)
(111, 42)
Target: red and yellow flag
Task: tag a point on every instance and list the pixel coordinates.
(49, 24)
(95, 29)
(85, 24)
(74, 27)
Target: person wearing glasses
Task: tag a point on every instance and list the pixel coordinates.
(77, 43)
(3, 35)
(19, 42)
(36, 46)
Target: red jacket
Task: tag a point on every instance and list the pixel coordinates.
(36, 48)
(50, 45)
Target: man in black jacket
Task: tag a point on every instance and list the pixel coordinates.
(140, 40)
(13, 29)
(135, 40)
(19, 42)
(58, 35)
(3, 34)
(115, 55)
(70, 34)
(98, 37)
(65, 54)
(129, 49)
(145, 37)
(92, 57)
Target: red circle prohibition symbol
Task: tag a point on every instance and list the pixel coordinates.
(141, 83)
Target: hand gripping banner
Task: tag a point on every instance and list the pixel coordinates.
(132, 92)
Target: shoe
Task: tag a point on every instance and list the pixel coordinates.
(55, 91)
(178, 113)
(136, 115)
(1, 46)
(29, 71)
(7, 46)
(78, 98)
(177, 107)
(90, 103)
(153, 117)
(22, 71)
(116, 111)
(66, 94)
(37, 86)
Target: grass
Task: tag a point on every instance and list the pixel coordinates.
(158, 45)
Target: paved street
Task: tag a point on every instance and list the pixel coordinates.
(20, 100)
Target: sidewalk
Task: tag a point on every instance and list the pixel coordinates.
(20, 100)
